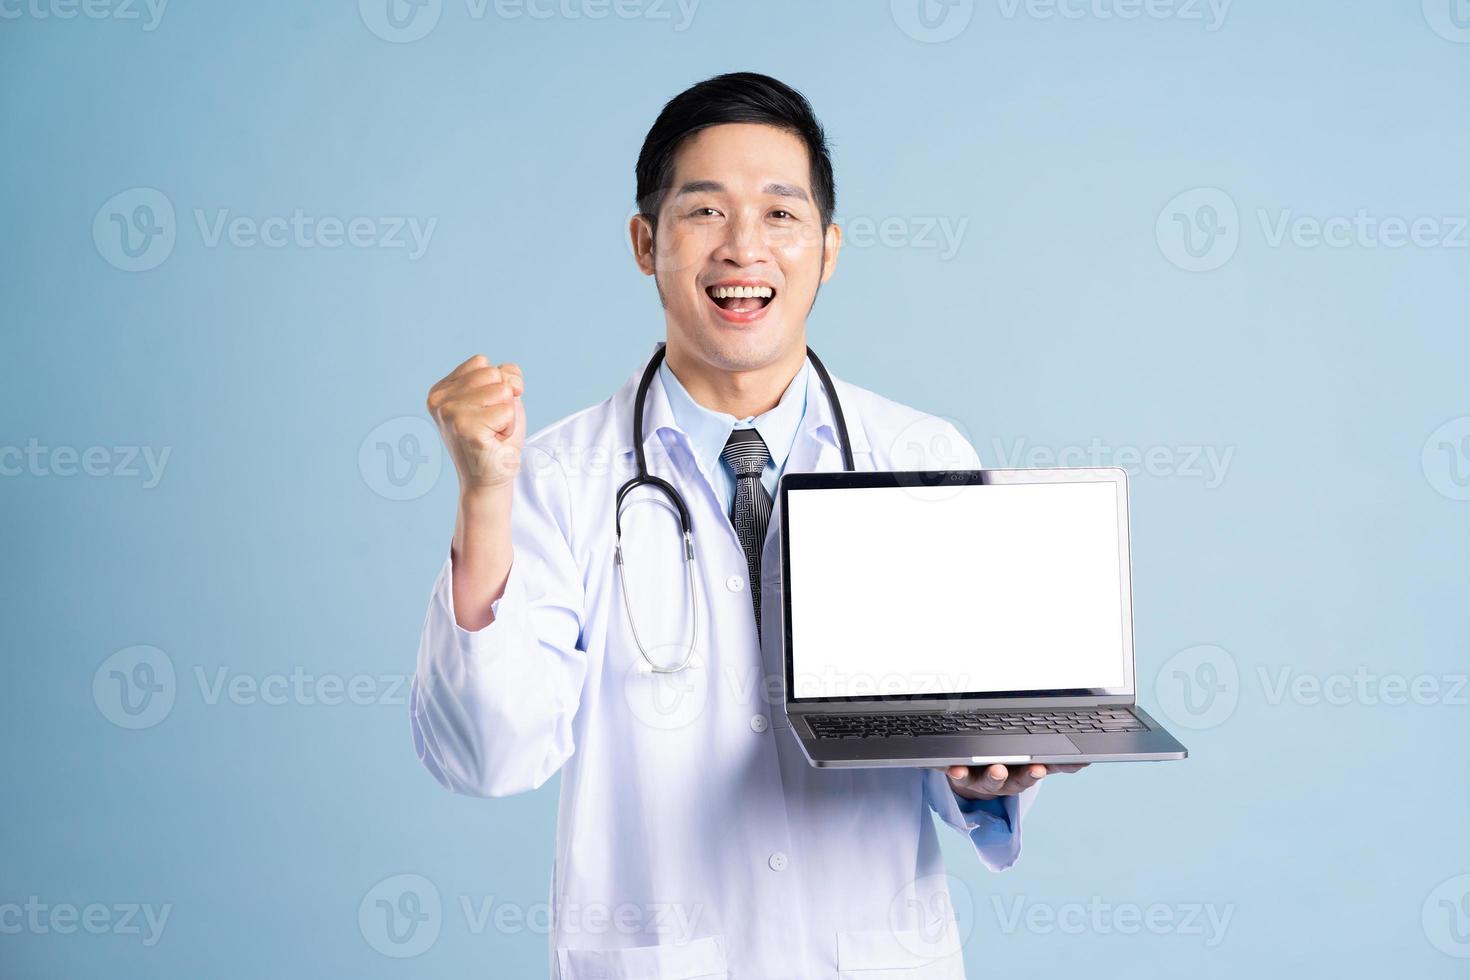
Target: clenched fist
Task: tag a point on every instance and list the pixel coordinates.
(477, 407)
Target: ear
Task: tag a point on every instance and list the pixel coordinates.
(640, 233)
(832, 244)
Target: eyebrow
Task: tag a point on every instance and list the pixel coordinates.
(715, 187)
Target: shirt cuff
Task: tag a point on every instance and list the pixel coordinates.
(975, 808)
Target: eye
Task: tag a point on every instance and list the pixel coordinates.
(778, 213)
(703, 213)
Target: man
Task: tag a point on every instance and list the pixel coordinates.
(693, 839)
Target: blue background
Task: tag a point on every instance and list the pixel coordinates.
(1335, 539)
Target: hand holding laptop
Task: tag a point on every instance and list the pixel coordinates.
(989, 782)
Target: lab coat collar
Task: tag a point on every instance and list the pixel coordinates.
(818, 423)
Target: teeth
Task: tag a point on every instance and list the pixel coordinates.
(742, 292)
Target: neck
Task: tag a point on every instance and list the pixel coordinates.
(739, 393)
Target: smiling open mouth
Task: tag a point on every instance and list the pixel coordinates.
(741, 299)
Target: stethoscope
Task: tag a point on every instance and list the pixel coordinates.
(644, 478)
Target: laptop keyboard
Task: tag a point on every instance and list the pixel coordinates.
(1070, 721)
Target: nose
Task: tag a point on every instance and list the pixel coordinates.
(744, 244)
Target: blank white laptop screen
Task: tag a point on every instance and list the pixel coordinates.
(949, 590)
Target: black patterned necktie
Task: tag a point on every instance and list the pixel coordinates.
(746, 455)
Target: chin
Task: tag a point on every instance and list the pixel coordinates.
(740, 349)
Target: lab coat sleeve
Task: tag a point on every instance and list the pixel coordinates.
(491, 710)
(997, 837)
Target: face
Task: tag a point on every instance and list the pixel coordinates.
(739, 250)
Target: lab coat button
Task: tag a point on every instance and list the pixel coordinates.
(734, 583)
(758, 724)
(778, 861)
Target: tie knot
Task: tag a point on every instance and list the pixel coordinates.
(745, 453)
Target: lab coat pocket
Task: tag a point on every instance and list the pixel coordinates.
(701, 959)
(899, 954)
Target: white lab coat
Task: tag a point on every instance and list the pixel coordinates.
(693, 839)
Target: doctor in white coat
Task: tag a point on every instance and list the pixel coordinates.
(693, 839)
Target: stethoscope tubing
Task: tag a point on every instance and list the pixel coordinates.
(672, 494)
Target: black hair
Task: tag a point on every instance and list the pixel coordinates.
(738, 97)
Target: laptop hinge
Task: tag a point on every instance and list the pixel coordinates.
(954, 704)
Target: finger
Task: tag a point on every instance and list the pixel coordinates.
(489, 375)
(1067, 767)
(498, 419)
(958, 772)
(482, 395)
(466, 376)
(511, 372)
(502, 418)
(470, 364)
(993, 780)
(1023, 779)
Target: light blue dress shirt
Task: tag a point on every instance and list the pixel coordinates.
(708, 431)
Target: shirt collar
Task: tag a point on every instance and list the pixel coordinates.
(708, 430)
(817, 421)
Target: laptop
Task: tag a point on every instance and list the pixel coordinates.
(962, 617)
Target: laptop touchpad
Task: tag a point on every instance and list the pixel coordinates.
(1015, 745)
